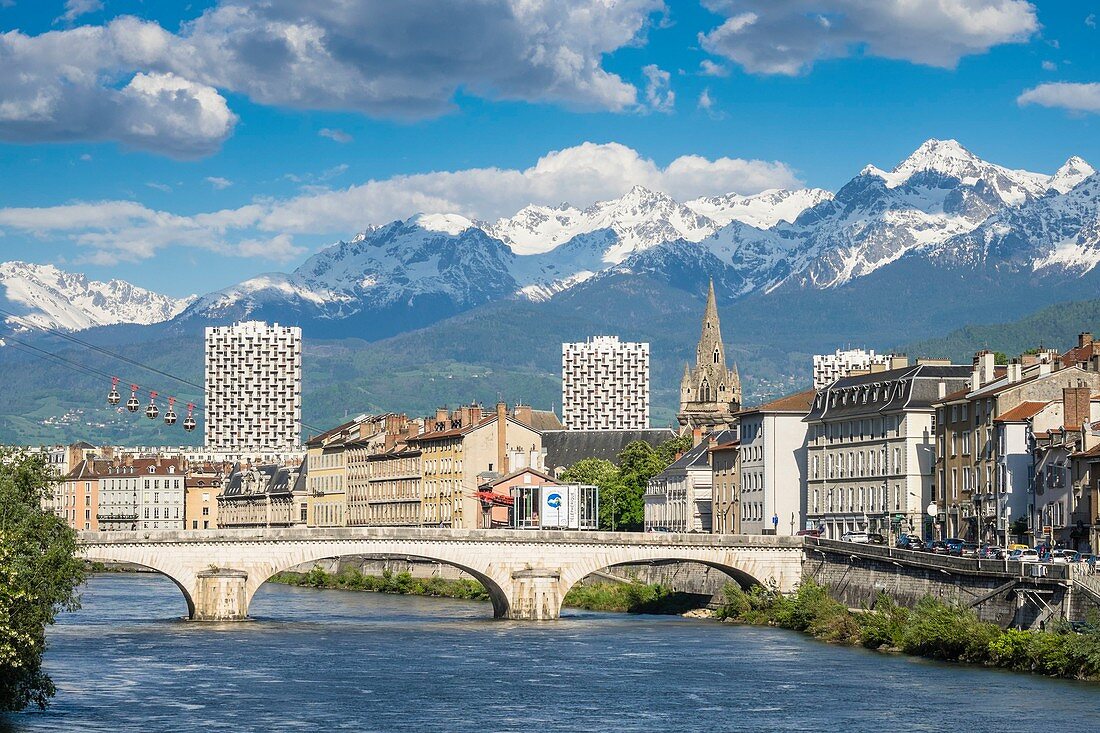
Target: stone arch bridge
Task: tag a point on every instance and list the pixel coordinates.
(527, 573)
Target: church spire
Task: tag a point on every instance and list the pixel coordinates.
(711, 313)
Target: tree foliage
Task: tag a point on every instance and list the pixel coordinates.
(39, 574)
(622, 487)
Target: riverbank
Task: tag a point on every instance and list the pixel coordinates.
(932, 630)
(595, 596)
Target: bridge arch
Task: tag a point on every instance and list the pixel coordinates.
(498, 596)
(182, 578)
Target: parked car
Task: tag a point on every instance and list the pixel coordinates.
(938, 547)
(968, 549)
(856, 536)
(992, 552)
(1028, 555)
(954, 546)
(875, 538)
(909, 542)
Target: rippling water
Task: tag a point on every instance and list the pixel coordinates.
(332, 660)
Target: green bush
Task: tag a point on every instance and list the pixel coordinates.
(883, 626)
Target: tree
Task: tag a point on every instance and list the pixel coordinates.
(638, 463)
(668, 450)
(39, 574)
(604, 475)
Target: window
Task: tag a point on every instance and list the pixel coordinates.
(206, 511)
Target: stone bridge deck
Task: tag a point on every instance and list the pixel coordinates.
(527, 573)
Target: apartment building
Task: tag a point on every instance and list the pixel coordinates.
(1062, 509)
(253, 388)
(383, 473)
(983, 450)
(458, 448)
(77, 495)
(725, 467)
(871, 448)
(773, 465)
(605, 384)
(830, 367)
(202, 485)
(680, 498)
(261, 496)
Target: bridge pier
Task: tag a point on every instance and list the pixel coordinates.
(220, 595)
(536, 594)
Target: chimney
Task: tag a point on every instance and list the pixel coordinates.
(983, 369)
(441, 415)
(502, 438)
(696, 436)
(1015, 371)
(522, 413)
(475, 413)
(877, 367)
(1084, 339)
(899, 361)
(1075, 406)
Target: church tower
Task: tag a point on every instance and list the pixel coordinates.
(710, 394)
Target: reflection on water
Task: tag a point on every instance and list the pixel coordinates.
(332, 660)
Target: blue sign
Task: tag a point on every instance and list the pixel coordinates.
(554, 501)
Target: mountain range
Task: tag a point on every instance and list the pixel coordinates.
(942, 240)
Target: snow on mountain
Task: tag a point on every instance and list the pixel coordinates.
(1059, 232)
(949, 158)
(1072, 172)
(639, 219)
(762, 210)
(941, 202)
(52, 298)
(435, 256)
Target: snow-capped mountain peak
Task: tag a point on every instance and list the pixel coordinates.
(49, 297)
(950, 159)
(447, 223)
(1072, 172)
(761, 210)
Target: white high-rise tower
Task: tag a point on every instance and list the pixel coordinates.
(605, 384)
(253, 387)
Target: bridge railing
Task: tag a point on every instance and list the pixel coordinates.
(943, 562)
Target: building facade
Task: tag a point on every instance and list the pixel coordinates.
(265, 495)
(605, 384)
(710, 394)
(680, 498)
(253, 388)
(984, 440)
(461, 446)
(77, 498)
(871, 449)
(830, 367)
(725, 466)
(773, 465)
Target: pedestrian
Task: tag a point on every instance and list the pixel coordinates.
(1092, 564)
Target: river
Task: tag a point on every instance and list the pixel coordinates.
(334, 660)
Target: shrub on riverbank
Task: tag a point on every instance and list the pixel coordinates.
(931, 629)
(388, 582)
(632, 597)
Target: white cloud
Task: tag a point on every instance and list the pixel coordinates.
(267, 228)
(381, 58)
(705, 102)
(709, 68)
(1050, 66)
(163, 187)
(218, 182)
(658, 90)
(788, 36)
(1065, 95)
(76, 8)
(335, 135)
(1090, 20)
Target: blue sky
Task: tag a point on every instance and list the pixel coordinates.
(186, 147)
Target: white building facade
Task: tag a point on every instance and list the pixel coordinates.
(871, 449)
(679, 499)
(773, 465)
(830, 367)
(253, 387)
(605, 384)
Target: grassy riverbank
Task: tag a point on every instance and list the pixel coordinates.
(615, 597)
(932, 629)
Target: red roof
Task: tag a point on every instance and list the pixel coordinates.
(1021, 412)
